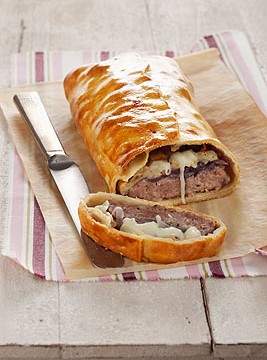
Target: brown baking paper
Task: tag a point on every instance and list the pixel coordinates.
(231, 112)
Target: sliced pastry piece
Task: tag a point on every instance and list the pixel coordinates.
(148, 231)
(140, 121)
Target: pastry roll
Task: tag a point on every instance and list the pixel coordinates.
(142, 126)
(147, 231)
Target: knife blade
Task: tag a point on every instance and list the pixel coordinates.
(65, 172)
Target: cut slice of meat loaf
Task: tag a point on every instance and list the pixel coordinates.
(147, 231)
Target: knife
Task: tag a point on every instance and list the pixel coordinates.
(65, 172)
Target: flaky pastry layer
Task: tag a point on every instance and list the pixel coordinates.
(129, 105)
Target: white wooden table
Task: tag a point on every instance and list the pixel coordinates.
(187, 319)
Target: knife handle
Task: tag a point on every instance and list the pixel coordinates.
(32, 109)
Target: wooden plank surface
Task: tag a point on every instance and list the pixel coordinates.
(29, 314)
(237, 309)
(142, 319)
(75, 315)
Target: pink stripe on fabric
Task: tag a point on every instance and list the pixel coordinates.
(193, 271)
(238, 58)
(39, 66)
(21, 69)
(129, 276)
(238, 267)
(196, 47)
(104, 55)
(216, 269)
(38, 253)
(212, 43)
(87, 57)
(17, 210)
(152, 275)
(169, 54)
(105, 279)
(59, 270)
(57, 66)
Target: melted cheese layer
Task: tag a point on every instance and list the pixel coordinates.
(100, 213)
(191, 158)
(152, 228)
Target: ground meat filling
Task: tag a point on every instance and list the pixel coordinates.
(144, 213)
(205, 177)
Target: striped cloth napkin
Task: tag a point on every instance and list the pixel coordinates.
(28, 240)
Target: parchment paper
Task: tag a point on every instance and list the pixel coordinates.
(231, 112)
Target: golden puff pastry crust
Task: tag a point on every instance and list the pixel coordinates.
(130, 105)
(142, 247)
